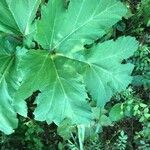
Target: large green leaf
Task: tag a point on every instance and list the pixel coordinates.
(82, 23)
(9, 83)
(63, 94)
(67, 71)
(104, 66)
(102, 69)
(16, 16)
(63, 98)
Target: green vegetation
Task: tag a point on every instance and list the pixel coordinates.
(74, 77)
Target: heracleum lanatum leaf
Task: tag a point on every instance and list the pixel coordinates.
(16, 16)
(9, 84)
(82, 23)
(61, 68)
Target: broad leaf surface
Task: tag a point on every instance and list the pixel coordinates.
(82, 23)
(16, 16)
(102, 69)
(9, 83)
(63, 94)
(64, 71)
(105, 68)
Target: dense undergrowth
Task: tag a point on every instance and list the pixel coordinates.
(129, 127)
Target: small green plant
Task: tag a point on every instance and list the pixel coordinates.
(133, 106)
(142, 138)
(121, 142)
(141, 60)
(32, 136)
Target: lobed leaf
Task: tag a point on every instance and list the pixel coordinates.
(16, 16)
(62, 93)
(102, 68)
(83, 22)
(9, 84)
(64, 71)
